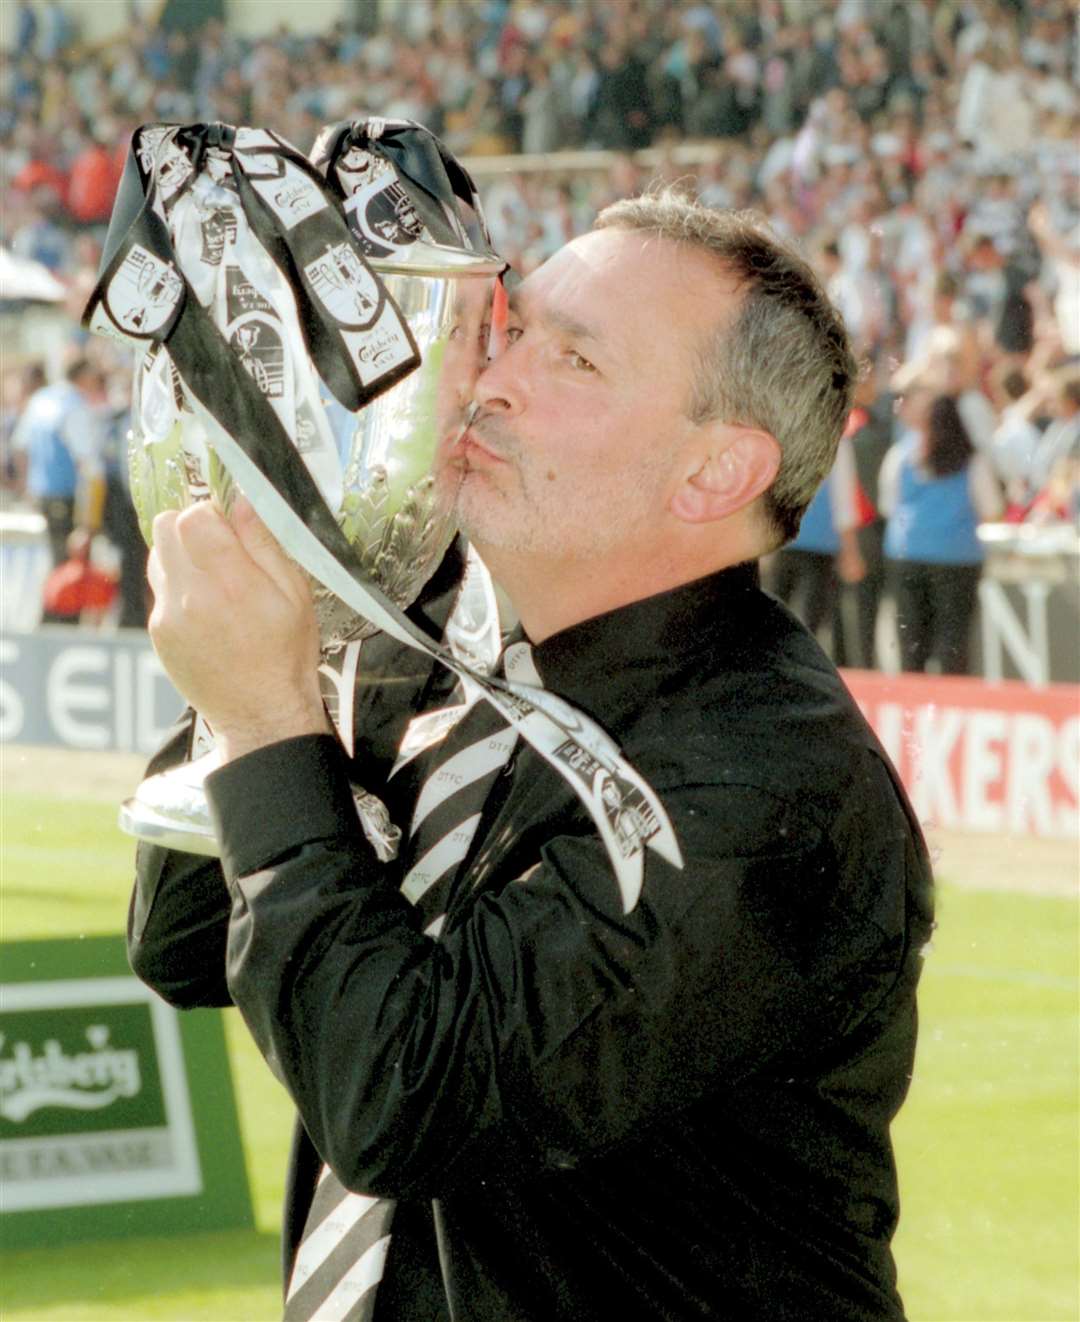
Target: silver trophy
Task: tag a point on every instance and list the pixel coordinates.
(372, 466)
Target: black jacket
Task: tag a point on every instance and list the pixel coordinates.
(680, 1112)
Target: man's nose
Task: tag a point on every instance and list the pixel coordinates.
(500, 387)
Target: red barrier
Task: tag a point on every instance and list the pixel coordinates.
(977, 756)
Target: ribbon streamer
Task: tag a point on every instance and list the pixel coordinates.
(354, 332)
(628, 814)
(398, 184)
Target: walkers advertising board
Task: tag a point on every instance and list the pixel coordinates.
(117, 1113)
(977, 756)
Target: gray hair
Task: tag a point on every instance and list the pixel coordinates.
(784, 365)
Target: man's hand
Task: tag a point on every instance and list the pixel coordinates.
(234, 626)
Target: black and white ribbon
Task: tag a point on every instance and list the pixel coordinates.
(185, 193)
(398, 185)
(627, 812)
(341, 1257)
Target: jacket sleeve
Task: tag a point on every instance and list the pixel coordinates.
(544, 1025)
(179, 913)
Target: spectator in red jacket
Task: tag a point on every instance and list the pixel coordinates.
(77, 590)
(92, 185)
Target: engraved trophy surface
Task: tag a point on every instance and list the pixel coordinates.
(392, 510)
(395, 287)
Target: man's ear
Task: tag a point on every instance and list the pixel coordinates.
(727, 477)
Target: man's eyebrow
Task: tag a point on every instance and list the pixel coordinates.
(556, 320)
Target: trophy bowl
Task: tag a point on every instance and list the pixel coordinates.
(396, 515)
(393, 511)
(365, 277)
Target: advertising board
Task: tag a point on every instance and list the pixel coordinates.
(979, 756)
(117, 1113)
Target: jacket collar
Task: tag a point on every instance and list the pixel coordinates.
(656, 632)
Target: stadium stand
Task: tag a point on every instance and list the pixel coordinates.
(922, 151)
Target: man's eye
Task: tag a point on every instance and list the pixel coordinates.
(460, 332)
(514, 333)
(579, 363)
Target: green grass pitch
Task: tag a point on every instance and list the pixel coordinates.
(987, 1146)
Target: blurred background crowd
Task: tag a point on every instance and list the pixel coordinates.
(924, 153)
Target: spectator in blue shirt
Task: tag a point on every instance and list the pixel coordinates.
(935, 489)
(58, 445)
(808, 571)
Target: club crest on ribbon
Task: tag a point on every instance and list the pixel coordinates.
(143, 293)
(633, 823)
(391, 215)
(344, 286)
(380, 211)
(358, 168)
(218, 225)
(259, 348)
(161, 157)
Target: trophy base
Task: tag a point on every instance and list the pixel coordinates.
(171, 810)
(144, 824)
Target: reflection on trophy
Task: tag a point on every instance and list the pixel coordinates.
(392, 510)
(378, 285)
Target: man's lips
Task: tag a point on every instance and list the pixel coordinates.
(475, 446)
(471, 448)
(468, 447)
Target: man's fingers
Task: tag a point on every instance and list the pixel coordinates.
(195, 556)
(199, 550)
(163, 532)
(206, 536)
(196, 538)
(162, 548)
(262, 546)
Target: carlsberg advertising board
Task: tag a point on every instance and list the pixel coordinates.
(116, 1112)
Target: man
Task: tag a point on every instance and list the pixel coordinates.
(680, 1111)
(58, 446)
(870, 427)
(1059, 441)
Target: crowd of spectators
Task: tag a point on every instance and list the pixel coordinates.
(923, 152)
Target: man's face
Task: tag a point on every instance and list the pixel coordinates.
(582, 435)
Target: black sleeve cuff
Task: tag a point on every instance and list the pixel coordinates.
(269, 803)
